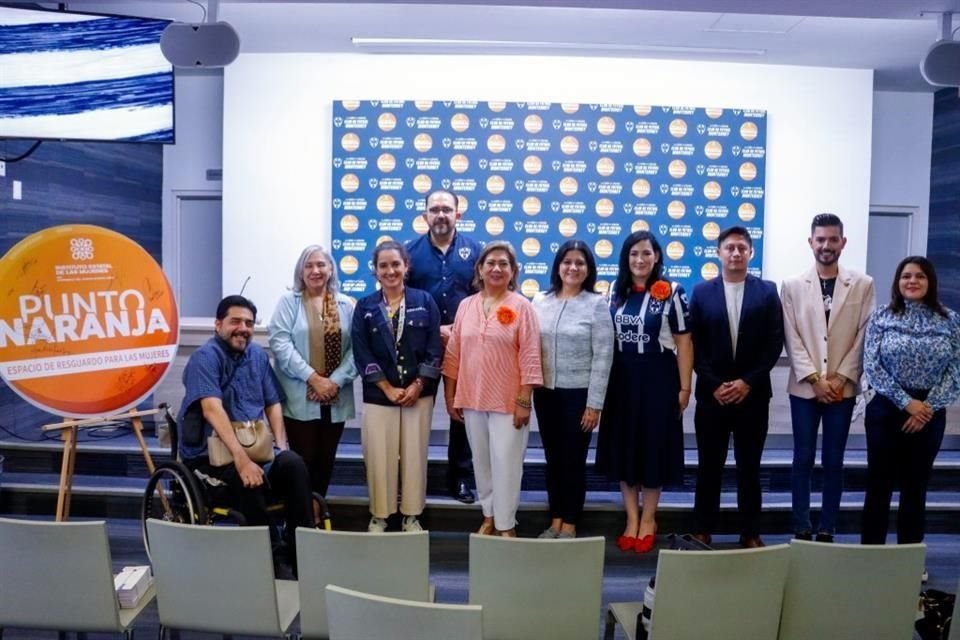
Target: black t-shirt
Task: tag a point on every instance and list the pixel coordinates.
(826, 287)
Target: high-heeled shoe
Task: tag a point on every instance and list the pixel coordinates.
(626, 543)
(645, 544)
(486, 528)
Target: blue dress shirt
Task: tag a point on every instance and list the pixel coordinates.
(448, 277)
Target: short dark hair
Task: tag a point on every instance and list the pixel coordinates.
(624, 281)
(735, 231)
(573, 245)
(235, 301)
(456, 198)
(931, 300)
(826, 220)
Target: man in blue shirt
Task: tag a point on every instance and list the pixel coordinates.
(229, 379)
(442, 263)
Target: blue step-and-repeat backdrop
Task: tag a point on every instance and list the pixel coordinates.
(537, 174)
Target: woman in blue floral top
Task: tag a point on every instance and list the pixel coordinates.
(912, 360)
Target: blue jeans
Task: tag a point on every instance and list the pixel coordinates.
(806, 415)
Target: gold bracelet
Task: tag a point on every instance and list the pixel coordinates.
(813, 378)
(523, 403)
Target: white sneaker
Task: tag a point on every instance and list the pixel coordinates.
(410, 523)
(377, 525)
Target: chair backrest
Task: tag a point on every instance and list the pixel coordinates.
(532, 588)
(395, 565)
(57, 575)
(955, 624)
(851, 591)
(217, 579)
(354, 614)
(719, 594)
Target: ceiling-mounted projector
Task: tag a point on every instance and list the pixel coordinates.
(941, 64)
(200, 45)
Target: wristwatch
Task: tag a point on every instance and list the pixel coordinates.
(813, 378)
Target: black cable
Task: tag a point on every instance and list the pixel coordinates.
(25, 155)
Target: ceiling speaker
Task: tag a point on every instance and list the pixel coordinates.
(200, 46)
(941, 65)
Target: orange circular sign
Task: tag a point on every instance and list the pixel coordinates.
(89, 325)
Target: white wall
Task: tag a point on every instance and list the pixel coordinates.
(277, 137)
(900, 174)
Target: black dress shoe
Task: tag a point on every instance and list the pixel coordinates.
(751, 542)
(824, 537)
(803, 535)
(462, 493)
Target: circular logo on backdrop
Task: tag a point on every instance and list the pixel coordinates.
(641, 188)
(530, 247)
(641, 147)
(676, 209)
(713, 112)
(420, 225)
(531, 205)
(642, 109)
(459, 163)
(747, 211)
(569, 145)
(567, 227)
(530, 287)
(459, 122)
(603, 248)
(748, 171)
(494, 225)
(387, 121)
(709, 271)
(604, 207)
(383, 239)
(568, 186)
(606, 125)
(423, 105)
(569, 108)
(349, 265)
(602, 287)
(533, 123)
(712, 190)
(677, 169)
(349, 182)
(532, 165)
(462, 204)
(423, 142)
(349, 223)
(351, 105)
(386, 162)
(88, 322)
(386, 203)
(711, 231)
(748, 131)
(350, 142)
(422, 183)
(713, 150)
(497, 106)
(678, 128)
(675, 250)
(496, 143)
(605, 167)
(496, 184)
(639, 225)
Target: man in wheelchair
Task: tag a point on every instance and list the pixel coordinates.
(232, 431)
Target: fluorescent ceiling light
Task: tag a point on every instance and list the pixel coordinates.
(425, 44)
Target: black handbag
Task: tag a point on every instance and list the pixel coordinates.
(938, 607)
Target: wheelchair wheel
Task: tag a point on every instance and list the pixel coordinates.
(173, 495)
(324, 523)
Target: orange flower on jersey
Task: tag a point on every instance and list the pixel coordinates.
(660, 290)
(506, 315)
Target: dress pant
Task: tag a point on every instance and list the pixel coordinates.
(316, 441)
(898, 458)
(394, 441)
(806, 415)
(459, 456)
(498, 449)
(715, 423)
(565, 446)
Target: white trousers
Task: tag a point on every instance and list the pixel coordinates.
(498, 450)
(394, 441)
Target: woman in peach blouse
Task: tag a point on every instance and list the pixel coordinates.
(497, 338)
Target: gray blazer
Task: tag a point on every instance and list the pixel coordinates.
(576, 343)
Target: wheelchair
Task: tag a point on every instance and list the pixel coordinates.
(174, 493)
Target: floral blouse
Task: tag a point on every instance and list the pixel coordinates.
(916, 349)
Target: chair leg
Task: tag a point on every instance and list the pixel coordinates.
(61, 635)
(128, 634)
(610, 627)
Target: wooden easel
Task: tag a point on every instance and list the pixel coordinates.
(68, 433)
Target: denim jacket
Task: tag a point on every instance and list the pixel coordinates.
(290, 344)
(377, 354)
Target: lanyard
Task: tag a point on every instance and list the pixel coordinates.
(401, 316)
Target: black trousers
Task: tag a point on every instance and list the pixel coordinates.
(714, 424)
(316, 441)
(287, 479)
(895, 458)
(565, 445)
(459, 456)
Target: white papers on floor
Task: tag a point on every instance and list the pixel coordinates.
(131, 584)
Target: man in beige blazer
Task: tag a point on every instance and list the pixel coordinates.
(825, 313)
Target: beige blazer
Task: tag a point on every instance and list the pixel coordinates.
(813, 345)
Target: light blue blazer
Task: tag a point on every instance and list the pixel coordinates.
(289, 341)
